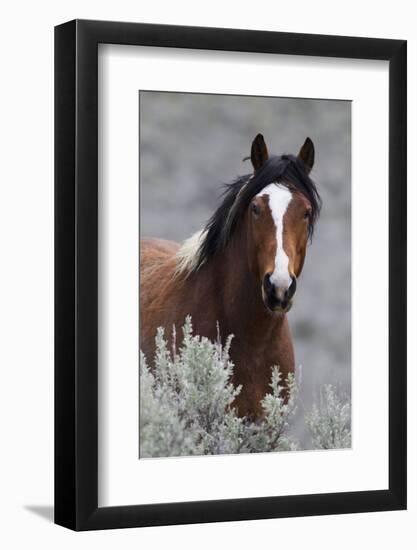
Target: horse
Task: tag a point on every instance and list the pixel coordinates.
(240, 271)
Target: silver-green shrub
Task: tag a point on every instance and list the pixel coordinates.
(329, 420)
(186, 404)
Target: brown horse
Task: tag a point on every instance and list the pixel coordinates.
(240, 271)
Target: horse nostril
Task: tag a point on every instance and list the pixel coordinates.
(278, 297)
(292, 288)
(267, 282)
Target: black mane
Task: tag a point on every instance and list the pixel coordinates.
(287, 170)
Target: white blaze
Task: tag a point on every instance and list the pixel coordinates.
(279, 199)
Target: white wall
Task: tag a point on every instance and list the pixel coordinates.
(26, 299)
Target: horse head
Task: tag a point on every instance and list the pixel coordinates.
(279, 221)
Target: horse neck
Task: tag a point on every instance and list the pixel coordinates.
(241, 308)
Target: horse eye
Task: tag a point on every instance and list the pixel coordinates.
(255, 209)
(307, 214)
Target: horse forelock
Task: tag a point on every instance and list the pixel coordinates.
(287, 170)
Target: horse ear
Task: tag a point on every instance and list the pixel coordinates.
(259, 152)
(306, 154)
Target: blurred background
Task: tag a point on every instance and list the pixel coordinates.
(191, 144)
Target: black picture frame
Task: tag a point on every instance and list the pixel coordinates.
(76, 272)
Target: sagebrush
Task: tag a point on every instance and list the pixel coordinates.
(329, 420)
(186, 405)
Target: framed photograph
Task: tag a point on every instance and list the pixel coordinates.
(230, 254)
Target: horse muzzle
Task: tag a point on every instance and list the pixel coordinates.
(278, 299)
